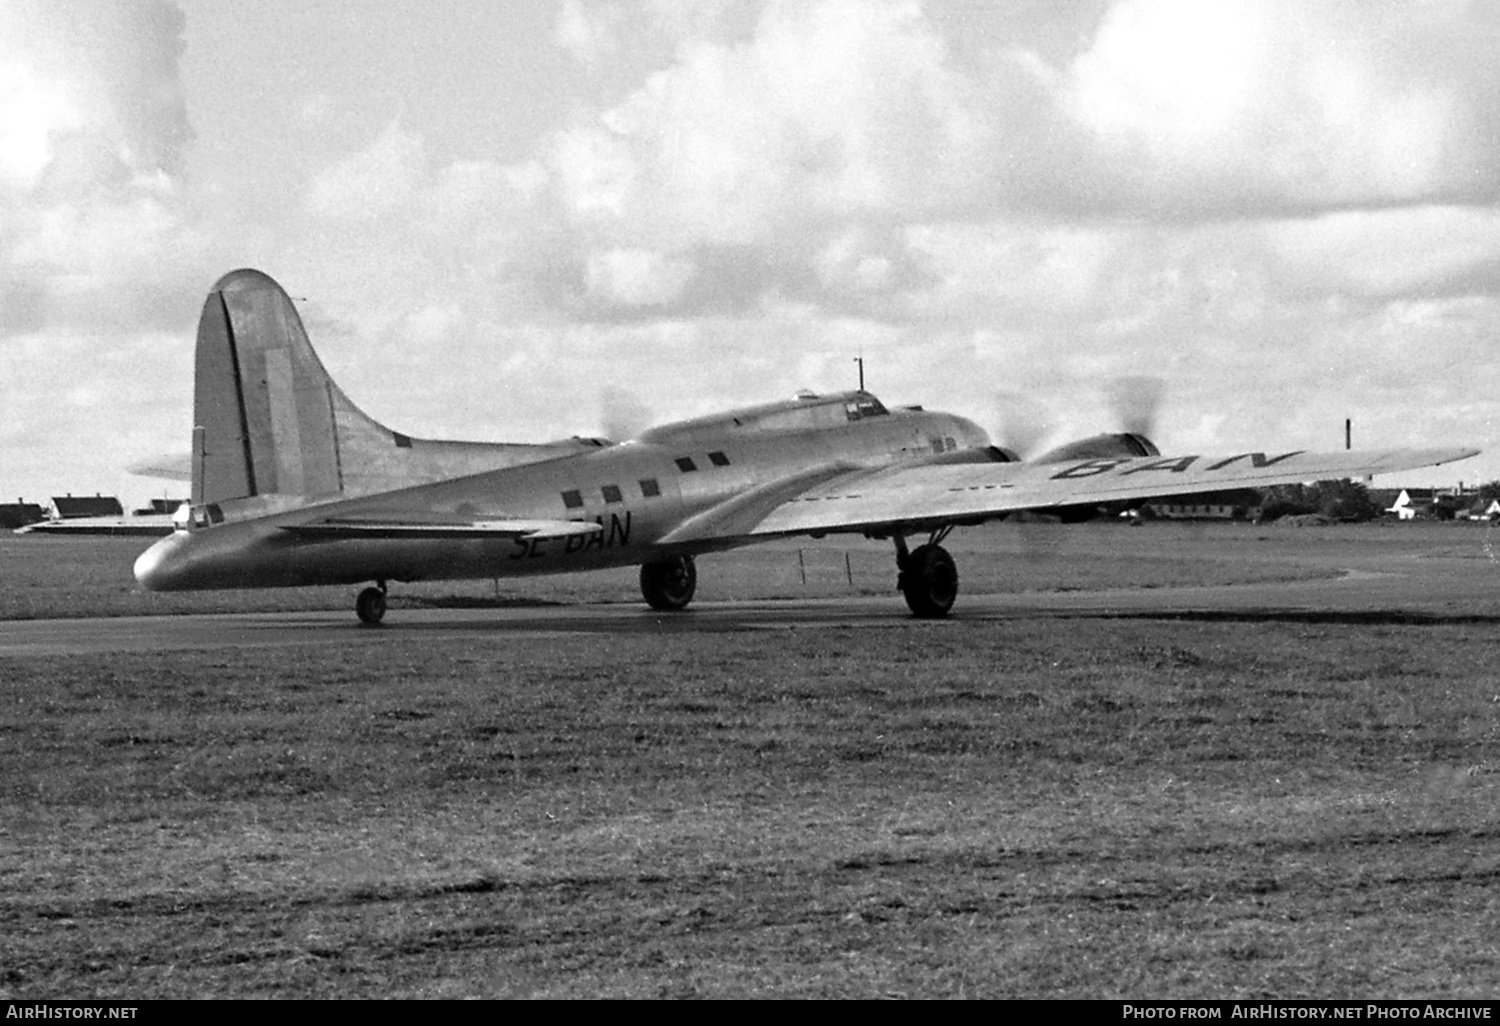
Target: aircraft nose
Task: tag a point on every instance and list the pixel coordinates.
(155, 568)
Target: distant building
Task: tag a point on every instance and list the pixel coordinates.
(20, 513)
(1403, 506)
(1483, 510)
(1424, 503)
(1231, 504)
(66, 507)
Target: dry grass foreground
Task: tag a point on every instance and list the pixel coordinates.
(1243, 805)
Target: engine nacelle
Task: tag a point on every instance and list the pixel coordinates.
(1107, 446)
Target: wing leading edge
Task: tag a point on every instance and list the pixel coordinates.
(922, 496)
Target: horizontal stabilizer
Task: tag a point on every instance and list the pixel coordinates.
(170, 467)
(434, 527)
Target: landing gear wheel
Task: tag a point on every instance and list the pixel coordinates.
(929, 580)
(370, 606)
(669, 584)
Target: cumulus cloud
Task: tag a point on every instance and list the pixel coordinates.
(91, 150)
(830, 110)
(844, 111)
(379, 180)
(1248, 107)
(95, 236)
(586, 32)
(106, 71)
(861, 157)
(823, 151)
(635, 277)
(1412, 252)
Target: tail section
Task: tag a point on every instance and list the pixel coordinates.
(271, 422)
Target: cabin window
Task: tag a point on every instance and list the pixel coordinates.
(649, 488)
(686, 464)
(950, 443)
(572, 499)
(935, 442)
(869, 406)
(718, 459)
(612, 493)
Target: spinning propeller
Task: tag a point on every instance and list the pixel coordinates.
(621, 414)
(1133, 403)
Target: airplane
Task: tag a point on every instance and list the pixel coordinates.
(293, 485)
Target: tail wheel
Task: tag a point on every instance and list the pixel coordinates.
(370, 606)
(668, 585)
(929, 580)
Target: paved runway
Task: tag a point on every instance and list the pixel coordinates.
(1463, 590)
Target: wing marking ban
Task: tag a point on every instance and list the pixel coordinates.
(1174, 465)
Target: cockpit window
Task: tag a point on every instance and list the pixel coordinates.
(193, 518)
(863, 406)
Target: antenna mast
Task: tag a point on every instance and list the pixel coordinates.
(861, 361)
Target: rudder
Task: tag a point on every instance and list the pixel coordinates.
(263, 404)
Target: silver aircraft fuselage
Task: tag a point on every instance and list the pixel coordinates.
(640, 493)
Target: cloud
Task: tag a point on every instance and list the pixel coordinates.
(377, 181)
(587, 32)
(97, 239)
(1176, 110)
(72, 70)
(857, 156)
(829, 111)
(93, 144)
(636, 277)
(1247, 108)
(1412, 252)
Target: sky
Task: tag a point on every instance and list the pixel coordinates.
(493, 214)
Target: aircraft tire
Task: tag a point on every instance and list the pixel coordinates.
(929, 580)
(668, 585)
(370, 607)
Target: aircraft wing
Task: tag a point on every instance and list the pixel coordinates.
(171, 467)
(918, 497)
(414, 524)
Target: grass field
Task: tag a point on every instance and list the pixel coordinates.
(1244, 805)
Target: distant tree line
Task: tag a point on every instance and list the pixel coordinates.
(1351, 501)
(1337, 500)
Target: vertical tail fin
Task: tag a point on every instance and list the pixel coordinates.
(270, 421)
(263, 405)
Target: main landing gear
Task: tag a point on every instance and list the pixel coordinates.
(370, 605)
(669, 584)
(927, 576)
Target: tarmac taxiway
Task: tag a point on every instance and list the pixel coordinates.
(1416, 590)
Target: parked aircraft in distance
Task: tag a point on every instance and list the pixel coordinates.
(293, 485)
(142, 524)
